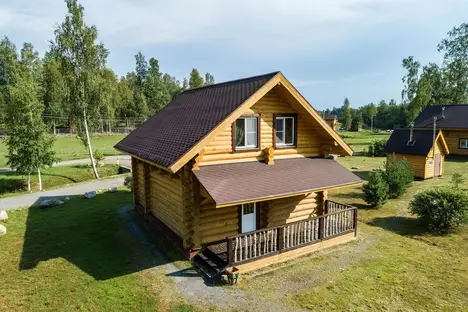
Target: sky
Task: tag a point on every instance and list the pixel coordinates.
(329, 49)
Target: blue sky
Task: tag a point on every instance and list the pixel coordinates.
(328, 49)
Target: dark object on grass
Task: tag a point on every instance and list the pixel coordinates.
(89, 195)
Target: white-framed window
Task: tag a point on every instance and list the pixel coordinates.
(464, 143)
(246, 133)
(284, 128)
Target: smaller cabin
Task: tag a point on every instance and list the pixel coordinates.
(331, 120)
(425, 158)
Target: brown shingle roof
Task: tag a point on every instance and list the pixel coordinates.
(172, 132)
(243, 182)
(398, 142)
(455, 116)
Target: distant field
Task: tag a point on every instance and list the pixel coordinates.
(70, 147)
(360, 141)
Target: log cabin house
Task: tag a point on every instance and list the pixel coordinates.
(236, 175)
(425, 158)
(452, 120)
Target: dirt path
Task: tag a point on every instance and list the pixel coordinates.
(194, 289)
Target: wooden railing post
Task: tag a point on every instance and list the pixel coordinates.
(230, 253)
(280, 242)
(355, 221)
(321, 227)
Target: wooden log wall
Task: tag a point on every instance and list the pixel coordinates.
(452, 137)
(309, 142)
(139, 182)
(292, 209)
(419, 164)
(216, 223)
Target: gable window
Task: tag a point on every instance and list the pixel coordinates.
(464, 143)
(245, 133)
(285, 130)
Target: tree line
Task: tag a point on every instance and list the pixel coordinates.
(72, 79)
(426, 85)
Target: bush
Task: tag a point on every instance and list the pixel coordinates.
(376, 149)
(98, 156)
(398, 175)
(442, 209)
(376, 190)
(128, 182)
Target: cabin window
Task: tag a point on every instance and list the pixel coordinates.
(285, 130)
(464, 143)
(245, 133)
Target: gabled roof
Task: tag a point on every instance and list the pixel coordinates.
(454, 116)
(423, 142)
(331, 117)
(232, 183)
(187, 124)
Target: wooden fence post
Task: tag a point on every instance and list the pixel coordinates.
(355, 222)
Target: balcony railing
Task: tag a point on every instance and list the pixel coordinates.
(339, 219)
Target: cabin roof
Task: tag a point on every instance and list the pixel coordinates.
(232, 183)
(331, 117)
(423, 142)
(455, 116)
(173, 131)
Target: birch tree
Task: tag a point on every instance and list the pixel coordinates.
(81, 60)
(30, 146)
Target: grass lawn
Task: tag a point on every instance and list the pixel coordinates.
(395, 266)
(360, 141)
(69, 147)
(80, 256)
(12, 183)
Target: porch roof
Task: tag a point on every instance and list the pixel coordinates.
(231, 184)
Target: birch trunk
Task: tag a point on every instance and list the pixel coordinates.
(88, 142)
(39, 178)
(29, 182)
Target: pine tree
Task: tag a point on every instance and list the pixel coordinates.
(196, 81)
(346, 116)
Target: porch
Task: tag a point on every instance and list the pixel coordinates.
(252, 250)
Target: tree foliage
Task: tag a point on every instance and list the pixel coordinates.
(196, 81)
(376, 190)
(398, 175)
(346, 117)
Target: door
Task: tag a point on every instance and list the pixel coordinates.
(248, 217)
(438, 165)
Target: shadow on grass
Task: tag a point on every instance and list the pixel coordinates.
(401, 225)
(12, 185)
(89, 233)
(363, 174)
(59, 175)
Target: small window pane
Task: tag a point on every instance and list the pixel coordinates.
(248, 208)
(279, 137)
(240, 132)
(251, 124)
(289, 128)
(464, 143)
(251, 139)
(279, 124)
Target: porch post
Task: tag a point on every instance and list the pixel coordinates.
(355, 221)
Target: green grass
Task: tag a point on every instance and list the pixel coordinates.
(395, 266)
(70, 147)
(12, 183)
(360, 141)
(80, 256)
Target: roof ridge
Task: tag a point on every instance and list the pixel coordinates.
(232, 81)
(441, 105)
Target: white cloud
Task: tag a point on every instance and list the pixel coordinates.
(246, 24)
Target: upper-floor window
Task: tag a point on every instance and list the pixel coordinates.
(464, 143)
(285, 130)
(245, 134)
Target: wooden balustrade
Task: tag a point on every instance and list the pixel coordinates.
(338, 219)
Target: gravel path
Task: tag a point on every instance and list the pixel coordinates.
(16, 202)
(117, 159)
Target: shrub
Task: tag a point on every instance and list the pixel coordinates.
(376, 149)
(128, 182)
(457, 179)
(398, 175)
(376, 190)
(442, 209)
(98, 156)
